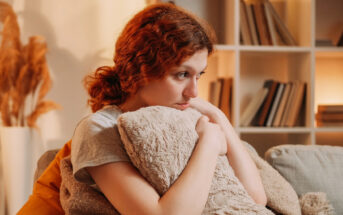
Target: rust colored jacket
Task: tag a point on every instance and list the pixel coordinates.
(45, 197)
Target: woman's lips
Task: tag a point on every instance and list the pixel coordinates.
(183, 105)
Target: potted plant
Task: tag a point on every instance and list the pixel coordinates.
(24, 82)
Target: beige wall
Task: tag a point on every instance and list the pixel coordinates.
(80, 36)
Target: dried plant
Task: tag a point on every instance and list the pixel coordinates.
(24, 74)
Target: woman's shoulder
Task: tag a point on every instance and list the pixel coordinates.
(104, 118)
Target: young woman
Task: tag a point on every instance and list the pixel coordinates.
(159, 58)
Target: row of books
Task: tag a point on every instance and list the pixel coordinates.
(220, 94)
(260, 24)
(277, 104)
(330, 115)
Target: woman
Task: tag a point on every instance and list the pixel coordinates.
(159, 57)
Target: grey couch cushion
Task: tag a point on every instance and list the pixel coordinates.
(311, 169)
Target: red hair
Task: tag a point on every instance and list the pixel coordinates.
(159, 37)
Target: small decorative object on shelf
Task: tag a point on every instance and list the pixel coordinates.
(260, 24)
(24, 82)
(330, 115)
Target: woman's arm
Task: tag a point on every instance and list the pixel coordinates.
(240, 160)
(130, 193)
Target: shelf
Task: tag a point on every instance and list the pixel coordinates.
(290, 49)
(335, 51)
(321, 67)
(262, 142)
(270, 130)
(328, 129)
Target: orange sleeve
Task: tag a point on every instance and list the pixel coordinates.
(45, 197)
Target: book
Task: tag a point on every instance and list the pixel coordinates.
(282, 105)
(275, 104)
(226, 97)
(215, 90)
(246, 35)
(253, 106)
(323, 42)
(261, 24)
(280, 25)
(329, 124)
(330, 108)
(329, 117)
(270, 24)
(288, 104)
(252, 24)
(272, 85)
(296, 105)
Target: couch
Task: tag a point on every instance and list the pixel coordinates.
(306, 168)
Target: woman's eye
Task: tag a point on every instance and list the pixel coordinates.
(182, 74)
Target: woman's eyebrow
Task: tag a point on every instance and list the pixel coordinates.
(191, 68)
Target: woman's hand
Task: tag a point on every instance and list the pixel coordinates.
(241, 162)
(207, 109)
(212, 134)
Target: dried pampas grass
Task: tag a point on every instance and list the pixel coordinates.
(24, 74)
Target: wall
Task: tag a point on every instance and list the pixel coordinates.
(80, 36)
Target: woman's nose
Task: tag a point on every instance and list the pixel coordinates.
(191, 91)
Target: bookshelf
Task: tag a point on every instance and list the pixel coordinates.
(321, 67)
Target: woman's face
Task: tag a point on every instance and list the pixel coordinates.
(178, 86)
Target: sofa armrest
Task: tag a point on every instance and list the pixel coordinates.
(44, 162)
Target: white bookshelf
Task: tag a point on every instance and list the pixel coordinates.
(320, 67)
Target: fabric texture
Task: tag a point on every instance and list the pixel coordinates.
(45, 198)
(96, 141)
(311, 169)
(281, 197)
(160, 140)
(315, 203)
(78, 198)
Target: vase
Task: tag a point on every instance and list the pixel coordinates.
(20, 149)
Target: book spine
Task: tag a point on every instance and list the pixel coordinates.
(284, 33)
(281, 108)
(275, 105)
(267, 104)
(246, 35)
(252, 25)
(261, 24)
(270, 22)
(297, 104)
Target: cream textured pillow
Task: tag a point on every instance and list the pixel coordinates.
(281, 196)
(160, 140)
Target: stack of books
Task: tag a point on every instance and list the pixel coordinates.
(330, 115)
(277, 104)
(220, 94)
(261, 24)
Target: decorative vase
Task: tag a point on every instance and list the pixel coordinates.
(20, 149)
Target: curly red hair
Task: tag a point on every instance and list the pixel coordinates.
(159, 37)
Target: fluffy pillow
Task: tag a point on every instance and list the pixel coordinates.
(160, 140)
(281, 197)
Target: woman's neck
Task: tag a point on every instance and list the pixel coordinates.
(131, 104)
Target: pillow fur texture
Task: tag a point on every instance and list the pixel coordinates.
(160, 140)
